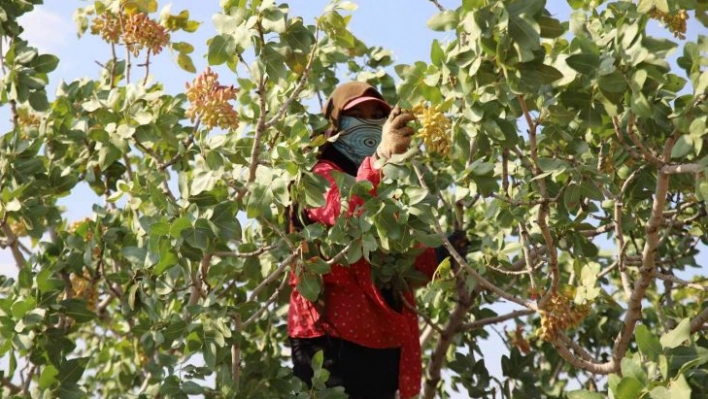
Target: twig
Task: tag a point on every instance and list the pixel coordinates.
(424, 316)
(682, 282)
(505, 172)
(524, 238)
(438, 5)
(260, 123)
(114, 61)
(196, 290)
(187, 143)
(619, 236)
(257, 252)
(28, 380)
(638, 143)
(236, 354)
(274, 276)
(147, 66)
(618, 133)
(494, 320)
(265, 306)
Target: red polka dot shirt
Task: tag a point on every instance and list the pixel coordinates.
(355, 309)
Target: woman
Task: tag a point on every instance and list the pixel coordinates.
(370, 342)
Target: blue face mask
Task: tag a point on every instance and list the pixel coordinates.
(358, 138)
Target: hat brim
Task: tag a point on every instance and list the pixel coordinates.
(354, 102)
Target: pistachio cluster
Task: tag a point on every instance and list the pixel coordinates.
(137, 30)
(435, 127)
(27, 118)
(107, 26)
(83, 286)
(209, 100)
(559, 314)
(142, 32)
(676, 23)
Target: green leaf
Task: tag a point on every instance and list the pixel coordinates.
(45, 63)
(443, 21)
(21, 307)
(614, 82)
(192, 388)
(683, 146)
(221, 49)
(48, 377)
(680, 388)
(632, 368)
(677, 336)
(71, 370)
(550, 27)
(648, 344)
(587, 64)
(660, 392)
(526, 33)
(583, 394)
(571, 197)
(437, 55)
(38, 100)
(640, 105)
(178, 225)
(259, 201)
(224, 219)
(77, 310)
(185, 62)
(310, 286)
(628, 388)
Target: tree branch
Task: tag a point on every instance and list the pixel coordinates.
(14, 244)
(698, 322)
(683, 168)
(647, 271)
(541, 218)
(437, 358)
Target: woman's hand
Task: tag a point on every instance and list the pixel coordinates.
(396, 134)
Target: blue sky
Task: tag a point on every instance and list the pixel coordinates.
(397, 25)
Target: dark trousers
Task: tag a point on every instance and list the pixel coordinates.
(365, 373)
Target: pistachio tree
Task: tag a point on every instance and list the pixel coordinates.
(566, 148)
